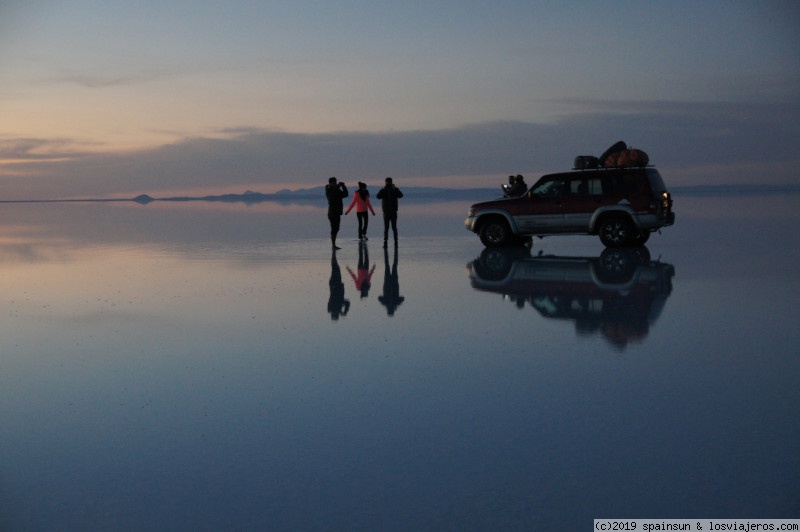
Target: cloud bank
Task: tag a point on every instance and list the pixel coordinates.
(692, 143)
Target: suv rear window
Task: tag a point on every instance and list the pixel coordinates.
(656, 183)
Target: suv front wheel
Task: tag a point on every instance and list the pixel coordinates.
(495, 233)
(616, 232)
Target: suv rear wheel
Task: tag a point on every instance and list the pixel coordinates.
(495, 233)
(616, 231)
(619, 265)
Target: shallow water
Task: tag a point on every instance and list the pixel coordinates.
(195, 366)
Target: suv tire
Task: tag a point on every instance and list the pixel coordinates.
(495, 233)
(616, 231)
(617, 266)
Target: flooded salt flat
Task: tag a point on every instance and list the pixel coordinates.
(201, 366)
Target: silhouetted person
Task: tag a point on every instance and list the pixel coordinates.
(518, 188)
(337, 304)
(507, 187)
(389, 195)
(391, 298)
(363, 280)
(335, 192)
(362, 204)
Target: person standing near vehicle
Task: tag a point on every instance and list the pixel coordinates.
(508, 187)
(389, 195)
(518, 188)
(335, 191)
(362, 203)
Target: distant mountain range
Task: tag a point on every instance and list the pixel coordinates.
(434, 194)
(424, 194)
(317, 194)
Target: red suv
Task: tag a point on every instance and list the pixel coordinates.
(620, 205)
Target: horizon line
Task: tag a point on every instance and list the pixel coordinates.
(306, 194)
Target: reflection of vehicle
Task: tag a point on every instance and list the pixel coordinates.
(620, 205)
(618, 294)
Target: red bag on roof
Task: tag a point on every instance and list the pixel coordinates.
(632, 157)
(609, 157)
(620, 156)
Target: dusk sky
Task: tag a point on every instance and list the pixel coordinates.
(108, 98)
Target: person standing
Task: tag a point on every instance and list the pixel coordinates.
(518, 188)
(508, 187)
(335, 191)
(362, 203)
(389, 195)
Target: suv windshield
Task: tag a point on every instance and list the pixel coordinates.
(551, 188)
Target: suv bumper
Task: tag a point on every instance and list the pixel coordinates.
(653, 222)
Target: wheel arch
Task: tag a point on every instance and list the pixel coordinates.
(610, 212)
(484, 217)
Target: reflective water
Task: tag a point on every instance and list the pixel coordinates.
(204, 366)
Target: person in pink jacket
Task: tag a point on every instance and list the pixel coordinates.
(362, 203)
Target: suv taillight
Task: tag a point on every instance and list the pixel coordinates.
(663, 205)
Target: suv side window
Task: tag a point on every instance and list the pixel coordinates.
(586, 186)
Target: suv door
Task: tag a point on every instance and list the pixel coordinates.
(541, 210)
(584, 196)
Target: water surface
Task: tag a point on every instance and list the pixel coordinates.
(207, 366)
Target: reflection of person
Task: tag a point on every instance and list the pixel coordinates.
(337, 304)
(363, 280)
(623, 322)
(389, 195)
(391, 298)
(362, 203)
(335, 192)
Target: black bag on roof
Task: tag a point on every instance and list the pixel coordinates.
(586, 162)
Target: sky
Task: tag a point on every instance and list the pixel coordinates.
(106, 98)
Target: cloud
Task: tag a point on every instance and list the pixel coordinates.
(107, 79)
(715, 143)
(34, 149)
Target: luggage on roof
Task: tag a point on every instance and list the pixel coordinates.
(619, 155)
(586, 162)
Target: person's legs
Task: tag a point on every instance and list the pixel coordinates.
(335, 220)
(386, 220)
(365, 217)
(362, 224)
(394, 226)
